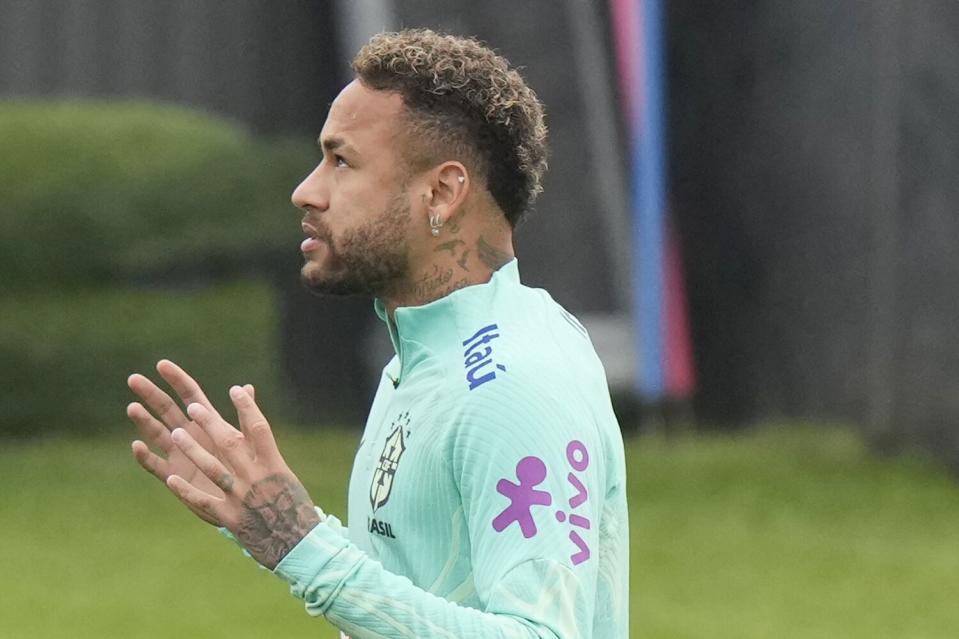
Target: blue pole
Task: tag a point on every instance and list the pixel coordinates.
(649, 187)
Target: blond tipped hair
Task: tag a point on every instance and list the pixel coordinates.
(464, 102)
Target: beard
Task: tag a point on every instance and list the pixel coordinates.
(368, 260)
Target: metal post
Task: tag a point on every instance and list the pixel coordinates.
(883, 207)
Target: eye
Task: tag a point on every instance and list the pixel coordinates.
(340, 162)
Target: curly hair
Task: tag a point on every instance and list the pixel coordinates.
(464, 102)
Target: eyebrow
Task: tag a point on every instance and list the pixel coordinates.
(332, 144)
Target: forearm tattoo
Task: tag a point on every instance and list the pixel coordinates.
(277, 515)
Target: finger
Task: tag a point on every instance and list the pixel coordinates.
(206, 462)
(226, 438)
(150, 461)
(230, 443)
(151, 428)
(254, 426)
(163, 405)
(249, 388)
(184, 385)
(203, 505)
(157, 436)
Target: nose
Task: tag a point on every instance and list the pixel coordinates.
(312, 192)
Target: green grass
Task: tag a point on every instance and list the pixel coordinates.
(781, 533)
(791, 533)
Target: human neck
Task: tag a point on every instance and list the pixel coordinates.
(455, 259)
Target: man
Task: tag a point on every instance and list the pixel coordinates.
(487, 497)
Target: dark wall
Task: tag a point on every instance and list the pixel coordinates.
(269, 64)
(815, 149)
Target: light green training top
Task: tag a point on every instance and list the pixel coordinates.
(487, 497)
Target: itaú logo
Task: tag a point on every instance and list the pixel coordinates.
(478, 357)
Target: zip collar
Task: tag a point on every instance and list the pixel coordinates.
(417, 332)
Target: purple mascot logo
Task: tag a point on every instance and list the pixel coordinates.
(530, 471)
(523, 495)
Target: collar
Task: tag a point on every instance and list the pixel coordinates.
(419, 331)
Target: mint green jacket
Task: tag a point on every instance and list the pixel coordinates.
(487, 497)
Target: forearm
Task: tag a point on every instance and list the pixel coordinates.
(339, 581)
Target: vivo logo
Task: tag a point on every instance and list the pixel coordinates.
(478, 357)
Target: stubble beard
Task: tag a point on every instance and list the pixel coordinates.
(371, 259)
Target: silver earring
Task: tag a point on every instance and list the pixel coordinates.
(461, 179)
(435, 223)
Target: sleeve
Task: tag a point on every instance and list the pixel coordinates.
(524, 481)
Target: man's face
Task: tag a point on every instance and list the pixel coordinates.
(357, 209)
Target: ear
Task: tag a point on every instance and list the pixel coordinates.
(448, 189)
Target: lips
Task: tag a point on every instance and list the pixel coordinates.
(313, 240)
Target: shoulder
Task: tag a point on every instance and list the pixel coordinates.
(541, 350)
(528, 362)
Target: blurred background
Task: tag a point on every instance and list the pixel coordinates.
(751, 205)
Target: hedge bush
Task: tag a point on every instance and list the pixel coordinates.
(97, 201)
(104, 192)
(65, 357)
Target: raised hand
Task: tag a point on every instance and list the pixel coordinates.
(156, 432)
(228, 477)
(263, 503)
